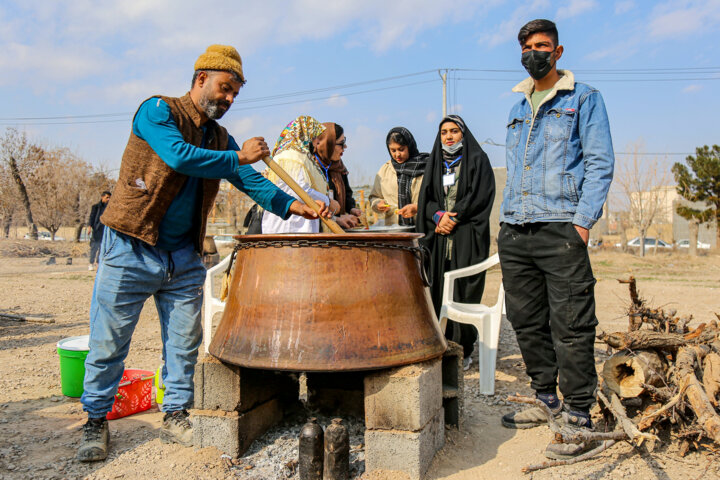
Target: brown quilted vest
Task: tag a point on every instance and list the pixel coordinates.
(147, 186)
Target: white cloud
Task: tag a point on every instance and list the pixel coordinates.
(432, 116)
(456, 109)
(337, 100)
(507, 31)
(575, 8)
(624, 6)
(109, 41)
(692, 88)
(681, 18)
(669, 20)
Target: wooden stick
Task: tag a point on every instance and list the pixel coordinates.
(21, 318)
(334, 227)
(555, 463)
(618, 411)
(696, 395)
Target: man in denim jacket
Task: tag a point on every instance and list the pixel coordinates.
(559, 168)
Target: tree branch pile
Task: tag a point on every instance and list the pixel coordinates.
(666, 375)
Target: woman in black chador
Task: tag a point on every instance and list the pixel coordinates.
(456, 198)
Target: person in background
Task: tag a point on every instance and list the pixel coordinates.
(294, 152)
(559, 169)
(456, 198)
(95, 228)
(330, 152)
(396, 188)
(153, 242)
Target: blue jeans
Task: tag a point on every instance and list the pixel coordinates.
(129, 272)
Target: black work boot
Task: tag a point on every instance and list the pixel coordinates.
(176, 428)
(95, 440)
(573, 422)
(533, 416)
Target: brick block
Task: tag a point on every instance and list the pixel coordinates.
(222, 386)
(403, 451)
(403, 398)
(216, 428)
(453, 384)
(257, 421)
(232, 432)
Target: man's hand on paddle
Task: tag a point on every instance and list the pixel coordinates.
(253, 150)
(299, 208)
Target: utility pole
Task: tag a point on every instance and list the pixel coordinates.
(443, 77)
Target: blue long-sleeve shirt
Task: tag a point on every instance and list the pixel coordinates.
(154, 123)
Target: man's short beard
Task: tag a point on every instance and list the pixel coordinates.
(212, 108)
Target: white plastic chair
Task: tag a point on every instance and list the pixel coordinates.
(486, 319)
(212, 303)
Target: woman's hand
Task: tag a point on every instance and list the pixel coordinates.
(334, 207)
(382, 206)
(446, 225)
(408, 211)
(347, 221)
(355, 211)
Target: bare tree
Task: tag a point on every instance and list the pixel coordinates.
(8, 200)
(20, 157)
(642, 183)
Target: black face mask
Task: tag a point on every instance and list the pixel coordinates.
(537, 63)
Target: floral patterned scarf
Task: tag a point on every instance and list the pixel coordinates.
(298, 134)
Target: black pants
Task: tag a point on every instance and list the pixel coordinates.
(94, 249)
(550, 302)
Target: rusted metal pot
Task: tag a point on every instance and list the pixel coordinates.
(328, 302)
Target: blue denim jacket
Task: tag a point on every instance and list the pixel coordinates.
(560, 161)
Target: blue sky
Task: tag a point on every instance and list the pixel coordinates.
(94, 58)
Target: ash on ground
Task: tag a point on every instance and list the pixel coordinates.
(275, 454)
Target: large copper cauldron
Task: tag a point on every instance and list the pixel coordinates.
(327, 303)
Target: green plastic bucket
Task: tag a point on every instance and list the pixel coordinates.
(72, 351)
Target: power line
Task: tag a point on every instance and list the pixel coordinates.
(241, 109)
(105, 117)
(336, 87)
(304, 100)
(478, 79)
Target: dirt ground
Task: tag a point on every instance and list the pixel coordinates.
(40, 428)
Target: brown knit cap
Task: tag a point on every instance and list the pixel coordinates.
(221, 57)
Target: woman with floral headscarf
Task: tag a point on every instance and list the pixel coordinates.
(293, 151)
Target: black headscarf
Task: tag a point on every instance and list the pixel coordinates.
(471, 235)
(411, 168)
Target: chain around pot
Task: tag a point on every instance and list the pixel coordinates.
(421, 253)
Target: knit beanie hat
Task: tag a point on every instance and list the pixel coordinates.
(221, 57)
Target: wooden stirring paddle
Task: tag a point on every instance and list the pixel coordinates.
(332, 225)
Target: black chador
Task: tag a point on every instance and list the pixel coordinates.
(467, 177)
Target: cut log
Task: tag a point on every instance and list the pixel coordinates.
(626, 372)
(711, 377)
(694, 392)
(641, 339)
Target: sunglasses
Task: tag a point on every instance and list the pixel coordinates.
(342, 144)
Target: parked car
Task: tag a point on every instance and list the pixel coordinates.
(649, 243)
(686, 244)
(45, 236)
(224, 240)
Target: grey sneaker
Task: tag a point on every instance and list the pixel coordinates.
(572, 424)
(176, 428)
(95, 439)
(529, 417)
